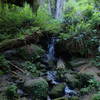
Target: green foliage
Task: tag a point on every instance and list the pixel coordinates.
(31, 52)
(46, 22)
(11, 92)
(96, 61)
(29, 66)
(1, 72)
(12, 18)
(84, 79)
(74, 98)
(27, 31)
(4, 64)
(96, 96)
(81, 17)
(40, 89)
(84, 91)
(92, 86)
(19, 21)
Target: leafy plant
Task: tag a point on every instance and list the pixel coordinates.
(4, 64)
(96, 61)
(14, 18)
(96, 96)
(29, 66)
(92, 86)
(46, 22)
(11, 92)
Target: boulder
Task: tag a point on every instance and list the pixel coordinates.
(57, 90)
(71, 80)
(38, 88)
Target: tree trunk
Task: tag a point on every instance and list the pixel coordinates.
(16, 43)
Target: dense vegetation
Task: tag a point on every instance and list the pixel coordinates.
(43, 56)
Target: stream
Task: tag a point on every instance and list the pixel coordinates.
(51, 74)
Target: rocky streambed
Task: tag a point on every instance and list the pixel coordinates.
(38, 74)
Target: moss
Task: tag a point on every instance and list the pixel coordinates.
(38, 88)
(57, 91)
(74, 98)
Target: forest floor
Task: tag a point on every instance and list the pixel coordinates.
(89, 68)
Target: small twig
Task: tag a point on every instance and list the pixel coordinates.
(21, 70)
(14, 73)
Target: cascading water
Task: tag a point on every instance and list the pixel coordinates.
(49, 58)
(51, 75)
(54, 7)
(59, 9)
(51, 50)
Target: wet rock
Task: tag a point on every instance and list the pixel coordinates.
(20, 92)
(57, 90)
(38, 88)
(51, 76)
(9, 54)
(69, 92)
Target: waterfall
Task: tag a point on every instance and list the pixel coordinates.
(54, 7)
(51, 50)
(49, 7)
(59, 9)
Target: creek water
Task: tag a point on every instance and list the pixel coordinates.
(51, 75)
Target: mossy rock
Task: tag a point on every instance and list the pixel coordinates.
(61, 98)
(38, 88)
(74, 98)
(31, 52)
(57, 91)
(71, 80)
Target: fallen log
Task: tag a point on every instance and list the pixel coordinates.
(17, 42)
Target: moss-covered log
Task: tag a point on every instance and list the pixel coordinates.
(77, 45)
(16, 43)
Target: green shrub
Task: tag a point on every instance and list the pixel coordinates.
(96, 61)
(14, 18)
(29, 66)
(84, 79)
(11, 92)
(4, 64)
(96, 96)
(84, 91)
(46, 22)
